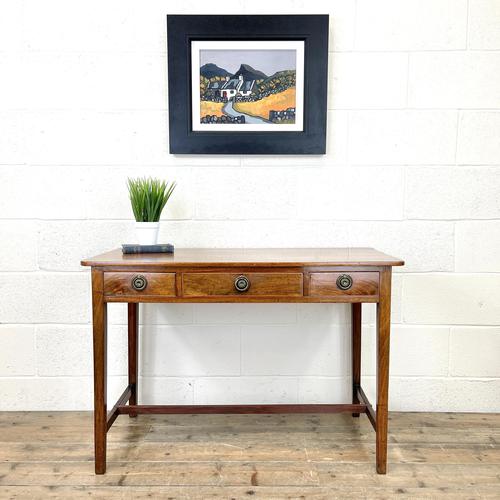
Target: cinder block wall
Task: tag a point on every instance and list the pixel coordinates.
(413, 168)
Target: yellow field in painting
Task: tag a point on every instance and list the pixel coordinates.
(211, 108)
(276, 102)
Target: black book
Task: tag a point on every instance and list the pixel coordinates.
(159, 248)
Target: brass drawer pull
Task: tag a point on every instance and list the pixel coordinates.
(242, 284)
(344, 282)
(139, 282)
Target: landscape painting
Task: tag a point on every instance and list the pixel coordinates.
(247, 85)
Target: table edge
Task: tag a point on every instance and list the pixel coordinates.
(105, 263)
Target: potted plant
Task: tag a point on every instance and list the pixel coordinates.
(148, 198)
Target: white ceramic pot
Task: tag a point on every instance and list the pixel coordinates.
(147, 232)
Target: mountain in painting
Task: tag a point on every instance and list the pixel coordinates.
(210, 70)
(249, 73)
(281, 74)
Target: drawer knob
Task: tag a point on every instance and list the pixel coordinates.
(344, 282)
(139, 282)
(242, 284)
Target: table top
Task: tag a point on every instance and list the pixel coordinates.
(249, 257)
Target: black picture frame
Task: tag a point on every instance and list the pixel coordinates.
(312, 29)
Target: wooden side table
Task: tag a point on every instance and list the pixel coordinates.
(352, 275)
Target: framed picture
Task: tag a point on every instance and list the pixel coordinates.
(247, 84)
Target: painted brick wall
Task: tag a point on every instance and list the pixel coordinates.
(413, 168)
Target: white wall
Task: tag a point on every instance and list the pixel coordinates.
(412, 168)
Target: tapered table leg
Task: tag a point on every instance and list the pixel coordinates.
(133, 329)
(383, 342)
(356, 351)
(99, 322)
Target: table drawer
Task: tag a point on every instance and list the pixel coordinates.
(329, 284)
(243, 284)
(139, 284)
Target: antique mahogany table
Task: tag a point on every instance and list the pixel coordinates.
(353, 275)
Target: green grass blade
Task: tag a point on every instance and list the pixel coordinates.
(148, 197)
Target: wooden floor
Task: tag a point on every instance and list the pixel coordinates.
(49, 455)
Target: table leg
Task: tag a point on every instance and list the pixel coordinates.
(356, 351)
(133, 328)
(383, 341)
(99, 322)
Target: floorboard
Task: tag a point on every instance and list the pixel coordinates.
(431, 455)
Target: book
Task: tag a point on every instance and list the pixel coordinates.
(159, 248)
